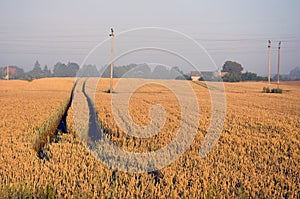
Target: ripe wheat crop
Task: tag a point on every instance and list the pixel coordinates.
(257, 154)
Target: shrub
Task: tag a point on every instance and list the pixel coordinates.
(276, 90)
(273, 90)
(266, 90)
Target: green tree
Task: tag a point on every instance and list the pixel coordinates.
(232, 77)
(233, 70)
(232, 67)
(249, 76)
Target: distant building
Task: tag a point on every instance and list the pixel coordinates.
(195, 75)
(207, 75)
(223, 74)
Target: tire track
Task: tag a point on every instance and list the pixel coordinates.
(48, 133)
(94, 131)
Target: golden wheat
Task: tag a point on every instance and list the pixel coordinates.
(257, 154)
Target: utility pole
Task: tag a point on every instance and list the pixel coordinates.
(7, 72)
(112, 35)
(269, 62)
(278, 72)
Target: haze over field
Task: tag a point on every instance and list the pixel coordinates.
(52, 31)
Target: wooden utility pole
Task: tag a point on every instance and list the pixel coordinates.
(7, 72)
(269, 63)
(278, 72)
(112, 35)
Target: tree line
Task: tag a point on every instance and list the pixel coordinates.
(72, 69)
(60, 70)
(234, 73)
(231, 72)
(144, 71)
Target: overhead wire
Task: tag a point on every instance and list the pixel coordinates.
(75, 43)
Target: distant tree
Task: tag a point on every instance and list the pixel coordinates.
(60, 70)
(232, 67)
(175, 72)
(37, 65)
(88, 71)
(46, 72)
(160, 72)
(122, 70)
(232, 77)
(63, 70)
(127, 71)
(249, 76)
(72, 69)
(183, 77)
(36, 72)
(118, 71)
(295, 74)
(137, 71)
(143, 71)
(260, 78)
(234, 71)
(105, 71)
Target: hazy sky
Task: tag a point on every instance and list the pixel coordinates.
(66, 30)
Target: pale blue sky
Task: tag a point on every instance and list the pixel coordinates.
(52, 31)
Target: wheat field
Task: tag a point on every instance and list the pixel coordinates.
(256, 156)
